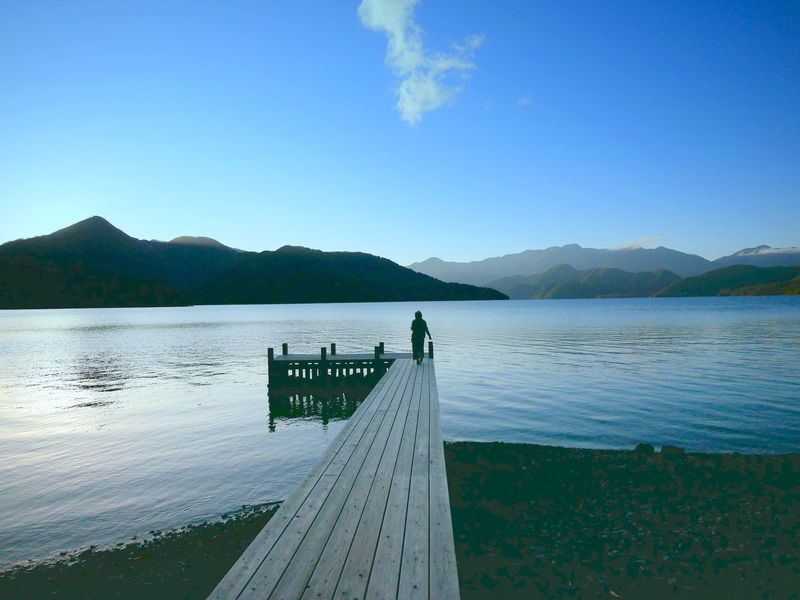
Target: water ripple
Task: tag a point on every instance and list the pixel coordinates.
(119, 421)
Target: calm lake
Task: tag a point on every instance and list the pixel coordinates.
(115, 422)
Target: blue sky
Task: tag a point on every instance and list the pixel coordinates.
(406, 129)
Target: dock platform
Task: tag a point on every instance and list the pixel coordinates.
(372, 518)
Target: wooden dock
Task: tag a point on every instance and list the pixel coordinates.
(372, 518)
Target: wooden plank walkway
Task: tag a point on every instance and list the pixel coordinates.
(372, 518)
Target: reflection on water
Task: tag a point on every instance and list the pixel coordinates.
(114, 422)
(321, 405)
(103, 373)
(334, 399)
(97, 404)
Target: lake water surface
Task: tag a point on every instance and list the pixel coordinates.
(115, 422)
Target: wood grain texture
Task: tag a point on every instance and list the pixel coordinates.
(372, 518)
(236, 580)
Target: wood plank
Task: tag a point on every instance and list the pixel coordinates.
(318, 579)
(237, 577)
(280, 560)
(385, 574)
(443, 568)
(414, 568)
(360, 551)
(372, 519)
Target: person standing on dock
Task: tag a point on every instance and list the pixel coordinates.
(418, 330)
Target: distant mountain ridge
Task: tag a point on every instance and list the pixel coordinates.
(738, 280)
(563, 281)
(199, 240)
(94, 264)
(761, 256)
(533, 262)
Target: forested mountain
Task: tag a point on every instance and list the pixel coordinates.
(92, 263)
(565, 282)
(738, 280)
(198, 240)
(761, 256)
(533, 262)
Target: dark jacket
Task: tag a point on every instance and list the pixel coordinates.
(419, 328)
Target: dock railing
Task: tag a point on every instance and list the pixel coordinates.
(327, 367)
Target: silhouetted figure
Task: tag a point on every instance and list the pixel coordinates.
(418, 330)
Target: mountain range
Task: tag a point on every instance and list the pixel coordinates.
(738, 280)
(94, 264)
(533, 262)
(563, 281)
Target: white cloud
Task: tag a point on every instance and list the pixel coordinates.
(638, 243)
(757, 251)
(426, 80)
(524, 101)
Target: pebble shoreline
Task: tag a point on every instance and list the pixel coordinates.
(530, 522)
(546, 522)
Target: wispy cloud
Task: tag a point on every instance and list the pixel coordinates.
(768, 250)
(524, 101)
(427, 80)
(638, 243)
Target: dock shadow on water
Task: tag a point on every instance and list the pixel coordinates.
(324, 387)
(332, 401)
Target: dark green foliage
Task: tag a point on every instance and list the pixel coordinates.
(738, 280)
(771, 289)
(198, 240)
(94, 264)
(104, 249)
(293, 274)
(28, 283)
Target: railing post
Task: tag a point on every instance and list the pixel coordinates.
(285, 348)
(430, 350)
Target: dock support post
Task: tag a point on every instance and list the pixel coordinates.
(333, 348)
(270, 361)
(323, 363)
(377, 357)
(285, 348)
(381, 347)
(430, 350)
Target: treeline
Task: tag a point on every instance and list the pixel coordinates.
(94, 264)
(563, 281)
